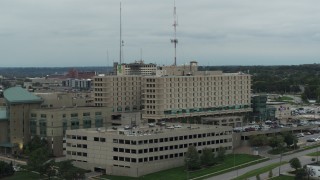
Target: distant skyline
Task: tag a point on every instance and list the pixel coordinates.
(59, 33)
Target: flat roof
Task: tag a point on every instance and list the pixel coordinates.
(156, 129)
(3, 113)
(17, 94)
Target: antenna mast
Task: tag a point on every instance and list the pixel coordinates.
(121, 42)
(175, 40)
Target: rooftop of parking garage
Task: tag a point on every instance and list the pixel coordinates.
(152, 129)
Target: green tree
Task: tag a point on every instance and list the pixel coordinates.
(276, 142)
(300, 174)
(48, 169)
(37, 158)
(67, 171)
(35, 143)
(260, 140)
(295, 163)
(192, 160)
(6, 169)
(221, 154)
(290, 139)
(207, 157)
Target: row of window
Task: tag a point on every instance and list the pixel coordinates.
(72, 115)
(155, 158)
(167, 148)
(176, 138)
(74, 153)
(85, 146)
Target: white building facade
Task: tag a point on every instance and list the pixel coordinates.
(143, 150)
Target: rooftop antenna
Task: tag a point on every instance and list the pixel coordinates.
(107, 60)
(175, 40)
(121, 41)
(141, 54)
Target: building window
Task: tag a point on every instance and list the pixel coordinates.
(86, 114)
(98, 122)
(64, 127)
(87, 123)
(75, 124)
(73, 115)
(43, 128)
(33, 127)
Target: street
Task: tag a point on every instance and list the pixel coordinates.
(301, 155)
(13, 160)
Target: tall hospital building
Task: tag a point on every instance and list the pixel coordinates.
(168, 97)
(174, 93)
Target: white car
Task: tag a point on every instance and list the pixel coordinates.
(307, 133)
(177, 126)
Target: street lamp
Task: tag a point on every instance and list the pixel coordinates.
(187, 160)
(280, 161)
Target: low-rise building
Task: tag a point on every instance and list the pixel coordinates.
(282, 110)
(52, 124)
(142, 150)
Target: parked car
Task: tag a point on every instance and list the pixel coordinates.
(307, 133)
(300, 135)
(311, 140)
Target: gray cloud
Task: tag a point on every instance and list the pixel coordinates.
(80, 32)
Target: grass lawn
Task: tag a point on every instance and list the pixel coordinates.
(285, 98)
(180, 173)
(314, 154)
(283, 178)
(25, 175)
(259, 171)
(277, 151)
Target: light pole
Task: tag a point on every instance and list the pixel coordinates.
(187, 160)
(280, 161)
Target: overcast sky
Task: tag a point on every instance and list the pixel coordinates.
(39, 33)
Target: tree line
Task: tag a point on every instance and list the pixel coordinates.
(6, 169)
(194, 161)
(302, 79)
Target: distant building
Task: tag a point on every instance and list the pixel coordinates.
(75, 74)
(52, 123)
(175, 93)
(136, 68)
(19, 104)
(77, 83)
(282, 110)
(24, 115)
(143, 150)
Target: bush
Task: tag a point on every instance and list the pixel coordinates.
(295, 163)
(6, 169)
(270, 174)
(192, 160)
